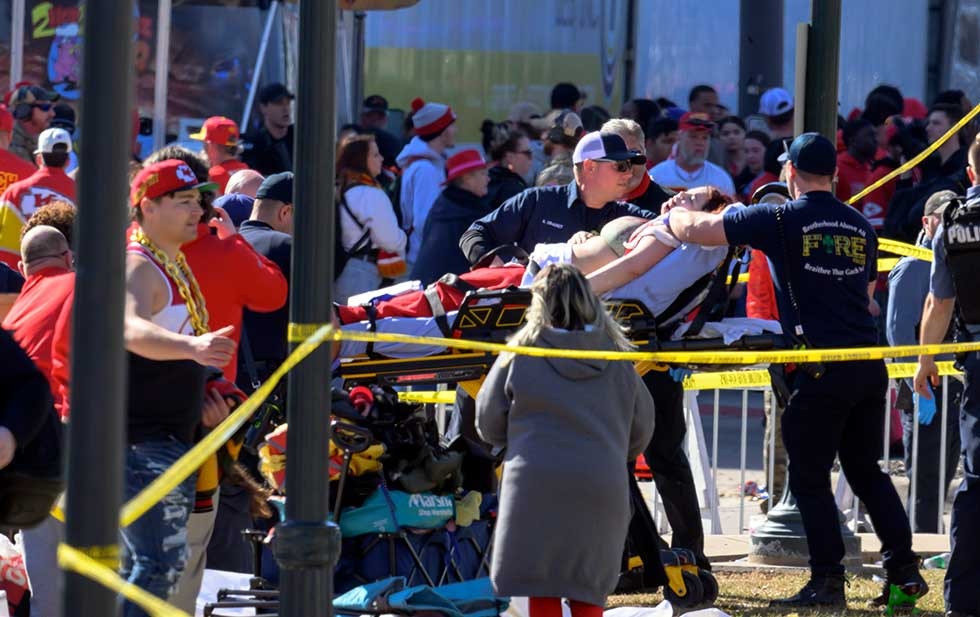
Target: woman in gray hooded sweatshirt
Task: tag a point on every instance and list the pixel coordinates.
(568, 428)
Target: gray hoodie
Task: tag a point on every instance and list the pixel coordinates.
(569, 427)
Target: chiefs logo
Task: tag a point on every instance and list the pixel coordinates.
(184, 173)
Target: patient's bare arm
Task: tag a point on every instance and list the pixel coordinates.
(592, 254)
(613, 275)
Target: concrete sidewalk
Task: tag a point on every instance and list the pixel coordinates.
(729, 548)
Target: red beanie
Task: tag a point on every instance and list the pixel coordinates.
(430, 118)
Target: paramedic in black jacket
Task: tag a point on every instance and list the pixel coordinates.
(603, 171)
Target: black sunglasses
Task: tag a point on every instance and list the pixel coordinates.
(42, 106)
(625, 165)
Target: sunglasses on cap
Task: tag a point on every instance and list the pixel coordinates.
(624, 165)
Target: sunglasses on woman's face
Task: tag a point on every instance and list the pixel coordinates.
(526, 153)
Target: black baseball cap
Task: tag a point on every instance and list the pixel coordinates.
(565, 96)
(377, 103)
(274, 92)
(812, 153)
(599, 146)
(277, 186)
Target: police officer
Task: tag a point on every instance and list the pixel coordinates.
(956, 258)
(603, 172)
(823, 255)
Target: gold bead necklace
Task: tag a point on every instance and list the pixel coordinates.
(180, 272)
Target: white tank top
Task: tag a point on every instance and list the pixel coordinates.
(174, 316)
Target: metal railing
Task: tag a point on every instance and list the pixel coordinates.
(704, 457)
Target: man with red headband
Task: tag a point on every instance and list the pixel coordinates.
(169, 345)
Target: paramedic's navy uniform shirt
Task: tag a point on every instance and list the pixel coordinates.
(833, 255)
(543, 214)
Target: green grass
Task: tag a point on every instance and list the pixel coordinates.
(748, 593)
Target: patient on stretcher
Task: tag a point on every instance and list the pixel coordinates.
(631, 258)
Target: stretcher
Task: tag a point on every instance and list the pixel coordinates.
(492, 316)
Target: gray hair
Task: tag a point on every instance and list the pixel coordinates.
(561, 297)
(625, 128)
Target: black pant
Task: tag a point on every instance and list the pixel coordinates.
(668, 462)
(926, 471)
(842, 414)
(963, 576)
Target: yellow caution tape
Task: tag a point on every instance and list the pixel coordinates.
(887, 264)
(902, 248)
(195, 457)
(107, 555)
(727, 380)
(735, 357)
(901, 370)
(299, 332)
(919, 158)
(75, 560)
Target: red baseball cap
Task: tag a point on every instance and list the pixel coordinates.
(462, 163)
(165, 177)
(6, 119)
(695, 121)
(218, 130)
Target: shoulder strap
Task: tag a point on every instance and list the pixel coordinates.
(431, 294)
(364, 241)
(717, 293)
(798, 326)
(253, 374)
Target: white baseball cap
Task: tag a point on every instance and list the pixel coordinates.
(775, 102)
(49, 138)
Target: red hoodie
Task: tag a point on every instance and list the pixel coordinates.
(45, 301)
(232, 277)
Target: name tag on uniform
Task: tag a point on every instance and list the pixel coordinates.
(553, 224)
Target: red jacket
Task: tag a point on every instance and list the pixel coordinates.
(760, 298)
(222, 172)
(852, 175)
(13, 169)
(45, 301)
(22, 198)
(233, 276)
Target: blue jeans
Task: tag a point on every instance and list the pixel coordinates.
(962, 589)
(155, 545)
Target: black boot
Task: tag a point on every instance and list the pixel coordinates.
(909, 582)
(820, 591)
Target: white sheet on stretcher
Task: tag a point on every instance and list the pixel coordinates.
(728, 329)
(732, 328)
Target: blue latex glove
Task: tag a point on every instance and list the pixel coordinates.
(927, 406)
(680, 374)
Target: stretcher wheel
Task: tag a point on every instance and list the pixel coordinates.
(710, 585)
(693, 591)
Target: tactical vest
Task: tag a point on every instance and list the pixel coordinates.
(961, 235)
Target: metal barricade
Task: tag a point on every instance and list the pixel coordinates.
(701, 450)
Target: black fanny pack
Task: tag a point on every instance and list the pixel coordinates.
(25, 499)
